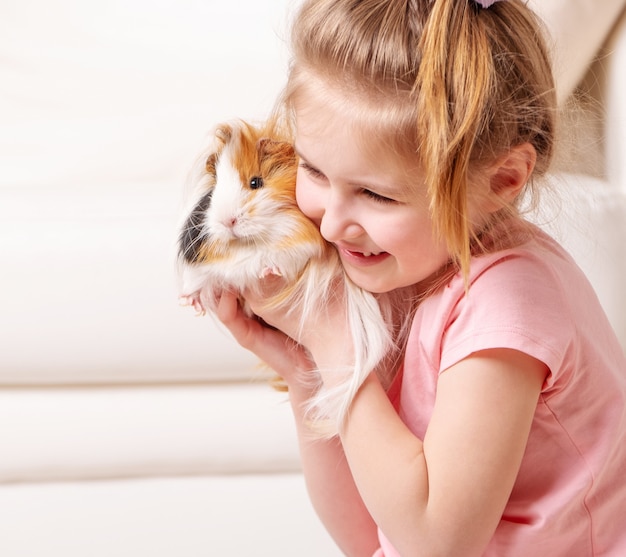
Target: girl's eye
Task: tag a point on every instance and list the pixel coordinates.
(377, 197)
(317, 175)
(313, 172)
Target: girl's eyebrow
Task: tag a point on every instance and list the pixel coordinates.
(298, 152)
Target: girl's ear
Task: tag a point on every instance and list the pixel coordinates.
(510, 174)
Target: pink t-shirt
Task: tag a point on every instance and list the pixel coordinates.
(569, 499)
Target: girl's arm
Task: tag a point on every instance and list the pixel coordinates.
(442, 496)
(329, 481)
(332, 490)
(445, 496)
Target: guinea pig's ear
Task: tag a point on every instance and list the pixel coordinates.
(210, 164)
(223, 134)
(280, 151)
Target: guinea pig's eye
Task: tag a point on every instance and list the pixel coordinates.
(256, 182)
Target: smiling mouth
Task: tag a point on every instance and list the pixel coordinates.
(369, 256)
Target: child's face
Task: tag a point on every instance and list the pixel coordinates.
(381, 227)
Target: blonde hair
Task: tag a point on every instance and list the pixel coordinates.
(444, 84)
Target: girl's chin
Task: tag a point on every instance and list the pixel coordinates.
(370, 282)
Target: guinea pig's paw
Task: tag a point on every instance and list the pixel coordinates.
(271, 271)
(194, 301)
(185, 300)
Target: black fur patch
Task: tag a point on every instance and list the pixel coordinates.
(192, 235)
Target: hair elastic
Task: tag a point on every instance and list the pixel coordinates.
(486, 3)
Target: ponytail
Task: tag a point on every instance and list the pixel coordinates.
(453, 85)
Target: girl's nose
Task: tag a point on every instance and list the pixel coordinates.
(338, 220)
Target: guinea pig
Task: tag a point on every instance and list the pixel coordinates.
(244, 224)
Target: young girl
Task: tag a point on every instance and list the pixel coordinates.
(419, 125)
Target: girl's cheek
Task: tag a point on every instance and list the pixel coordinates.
(307, 198)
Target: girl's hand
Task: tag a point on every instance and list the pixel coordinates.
(275, 348)
(282, 341)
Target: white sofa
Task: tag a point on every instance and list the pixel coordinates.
(129, 427)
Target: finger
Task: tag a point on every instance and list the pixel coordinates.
(226, 306)
(272, 346)
(242, 327)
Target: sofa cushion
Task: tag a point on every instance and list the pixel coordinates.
(103, 106)
(101, 94)
(611, 80)
(57, 434)
(588, 216)
(89, 293)
(236, 516)
(577, 28)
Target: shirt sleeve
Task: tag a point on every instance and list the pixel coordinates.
(513, 302)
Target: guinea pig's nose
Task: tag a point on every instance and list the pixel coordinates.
(230, 222)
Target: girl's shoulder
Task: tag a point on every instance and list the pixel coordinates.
(535, 266)
(531, 297)
(539, 256)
